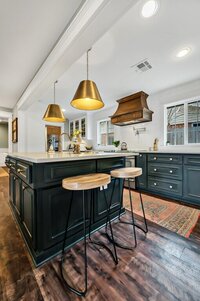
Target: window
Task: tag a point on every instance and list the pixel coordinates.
(105, 132)
(183, 123)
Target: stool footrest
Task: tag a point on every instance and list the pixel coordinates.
(136, 225)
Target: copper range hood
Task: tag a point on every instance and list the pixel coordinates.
(132, 109)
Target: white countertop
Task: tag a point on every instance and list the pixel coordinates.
(45, 157)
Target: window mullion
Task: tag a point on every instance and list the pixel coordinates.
(185, 123)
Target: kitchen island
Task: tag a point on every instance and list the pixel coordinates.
(40, 204)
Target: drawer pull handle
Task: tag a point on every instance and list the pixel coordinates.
(170, 159)
(20, 170)
(155, 169)
(140, 155)
(171, 171)
(170, 186)
(155, 158)
(155, 184)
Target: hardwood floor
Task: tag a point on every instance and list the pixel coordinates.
(164, 266)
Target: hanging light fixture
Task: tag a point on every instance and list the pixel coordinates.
(87, 96)
(54, 112)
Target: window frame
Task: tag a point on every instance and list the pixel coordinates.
(98, 132)
(185, 103)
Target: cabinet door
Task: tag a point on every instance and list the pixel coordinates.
(28, 212)
(141, 181)
(12, 188)
(100, 205)
(191, 185)
(17, 196)
(53, 207)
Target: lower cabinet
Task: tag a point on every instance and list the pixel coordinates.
(99, 200)
(141, 181)
(191, 189)
(174, 176)
(28, 212)
(53, 207)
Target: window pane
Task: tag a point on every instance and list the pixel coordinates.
(175, 125)
(106, 132)
(194, 122)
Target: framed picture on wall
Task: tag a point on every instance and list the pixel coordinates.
(15, 130)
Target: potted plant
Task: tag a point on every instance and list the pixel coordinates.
(116, 143)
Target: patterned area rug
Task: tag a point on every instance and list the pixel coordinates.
(177, 218)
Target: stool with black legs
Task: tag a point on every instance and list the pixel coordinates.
(128, 173)
(84, 183)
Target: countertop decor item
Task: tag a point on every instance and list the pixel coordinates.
(123, 146)
(155, 144)
(116, 143)
(54, 112)
(87, 96)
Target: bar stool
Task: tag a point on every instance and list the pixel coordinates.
(128, 173)
(86, 182)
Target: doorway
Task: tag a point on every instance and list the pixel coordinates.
(53, 136)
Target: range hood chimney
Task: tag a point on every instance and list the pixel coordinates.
(132, 109)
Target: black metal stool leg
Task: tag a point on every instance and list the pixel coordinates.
(100, 243)
(77, 292)
(122, 197)
(132, 214)
(144, 217)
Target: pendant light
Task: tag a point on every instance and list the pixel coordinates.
(87, 96)
(54, 112)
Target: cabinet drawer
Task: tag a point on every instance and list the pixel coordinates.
(24, 171)
(165, 158)
(59, 171)
(166, 186)
(10, 163)
(192, 159)
(165, 170)
(106, 165)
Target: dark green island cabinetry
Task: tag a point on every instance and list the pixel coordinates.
(40, 203)
(175, 176)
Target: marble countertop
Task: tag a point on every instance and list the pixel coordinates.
(45, 157)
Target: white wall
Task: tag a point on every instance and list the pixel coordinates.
(32, 128)
(154, 129)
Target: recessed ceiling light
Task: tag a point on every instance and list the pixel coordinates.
(183, 52)
(149, 8)
(63, 110)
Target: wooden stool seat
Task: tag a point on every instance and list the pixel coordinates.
(85, 182)
(126, 173)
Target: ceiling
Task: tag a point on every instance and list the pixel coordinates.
(28, 32)
(130, 40)
(30, 29)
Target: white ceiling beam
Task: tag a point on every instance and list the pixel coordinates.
(93, 19)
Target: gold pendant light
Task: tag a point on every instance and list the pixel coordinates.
(54, 112)
(87, 96)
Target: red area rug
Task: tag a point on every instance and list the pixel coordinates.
(177, 218)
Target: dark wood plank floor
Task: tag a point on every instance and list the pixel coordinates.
(164, 266)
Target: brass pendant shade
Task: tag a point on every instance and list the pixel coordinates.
(53, 112)
(87, 97)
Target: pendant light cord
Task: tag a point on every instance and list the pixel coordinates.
(54, 95)
(88, 63)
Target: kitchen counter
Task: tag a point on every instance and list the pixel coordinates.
(45, 157)
(173, 151)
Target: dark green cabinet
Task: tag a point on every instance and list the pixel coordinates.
(100, 203)
(41, 205)
(141, 181)
(175, 176)
(28, 212)
(191, 189)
